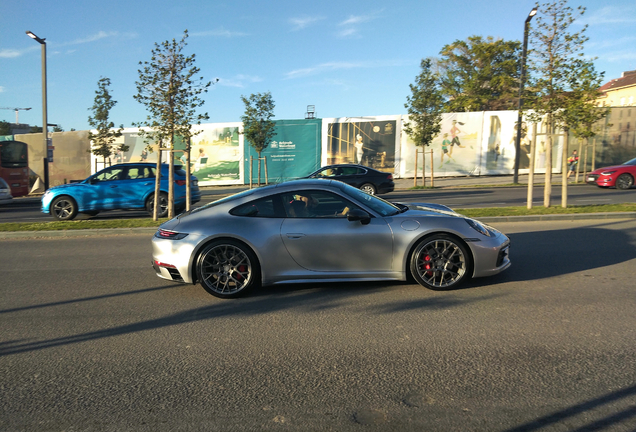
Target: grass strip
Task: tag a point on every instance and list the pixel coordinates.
(472, 212)
(523, 211)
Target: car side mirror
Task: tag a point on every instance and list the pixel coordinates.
(359, 215)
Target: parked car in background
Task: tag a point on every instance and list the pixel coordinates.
(367, 179)
(5, 192)
(123, 186)
(619, 176)
(323, 230)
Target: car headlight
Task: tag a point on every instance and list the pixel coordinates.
(477, 226)
(608, 172)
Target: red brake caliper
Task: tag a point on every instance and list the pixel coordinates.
(427, 265)
(239, 276)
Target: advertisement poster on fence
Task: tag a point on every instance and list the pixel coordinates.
(456, 150)
(359, 141)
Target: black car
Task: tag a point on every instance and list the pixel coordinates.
(367, 179)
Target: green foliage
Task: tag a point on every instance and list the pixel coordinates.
(102, 141)
(5, 128)
(424, 107)
(258, 126)
(555, 60)
(581, 113)
(169, 88)
(480, 74)
(36, 129)
(58, 128)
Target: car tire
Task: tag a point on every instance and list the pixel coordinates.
(441, 262)
(64, 208)
(624, 181)
(227, 269)
(368, 188)
(163, 205)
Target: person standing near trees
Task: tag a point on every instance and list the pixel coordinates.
(572, 163)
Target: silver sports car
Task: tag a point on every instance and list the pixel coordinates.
(323, 230)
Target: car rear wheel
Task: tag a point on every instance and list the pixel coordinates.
(368, 188)
(440, 262)
(227, 269)
(163, 205)
(64, 208)
(624, 181)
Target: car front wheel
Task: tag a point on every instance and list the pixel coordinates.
(64, 208)
(440, 262)
(227, 269)
(368, 188)
(624, 181)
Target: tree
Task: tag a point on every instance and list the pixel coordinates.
(258, 126)
(102, 141)
(480, 74)
(5, 128)
(169, 88)
(424, 106)
(580, 112)
(553, 60)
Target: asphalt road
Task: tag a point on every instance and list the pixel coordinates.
(92, 340)
(28, 209)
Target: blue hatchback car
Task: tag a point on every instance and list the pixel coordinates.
(123, 186)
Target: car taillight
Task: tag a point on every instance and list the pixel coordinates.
(170, 235)
(180, 182)
(389, 177)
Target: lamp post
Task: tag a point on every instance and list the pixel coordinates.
(45, 129)
(533, 12)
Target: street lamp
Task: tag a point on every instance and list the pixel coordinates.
(45, 129)
(533, 12)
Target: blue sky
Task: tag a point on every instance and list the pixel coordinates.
(348, 58)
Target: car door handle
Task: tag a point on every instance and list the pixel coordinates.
(293, 236)
(113, 186)
(147, 184)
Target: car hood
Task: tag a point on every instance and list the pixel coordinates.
(432, 208)
(65, 186)
(609, 168)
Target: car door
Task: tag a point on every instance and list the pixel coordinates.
(321, 240)
(107, 189)
(352, 176)
(138, 184)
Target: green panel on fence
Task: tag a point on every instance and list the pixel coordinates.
(294, 152)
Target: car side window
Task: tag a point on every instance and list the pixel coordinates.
(349, 170)
(267, 207)
(108, 174)
(134, 173)
(316, 204)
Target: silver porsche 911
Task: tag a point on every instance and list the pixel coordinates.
(323, 230)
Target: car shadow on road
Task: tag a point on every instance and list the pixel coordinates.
(545, 254)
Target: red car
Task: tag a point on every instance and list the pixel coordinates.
(619, 176)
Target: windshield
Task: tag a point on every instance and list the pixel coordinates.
(377, 204)
(630, 162)
(13, 154)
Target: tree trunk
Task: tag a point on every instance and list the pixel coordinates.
(547, 192)
(155, 209)
(533, 147)
(259, 169)
(564, 171)
(187, 170)
(171, 178)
